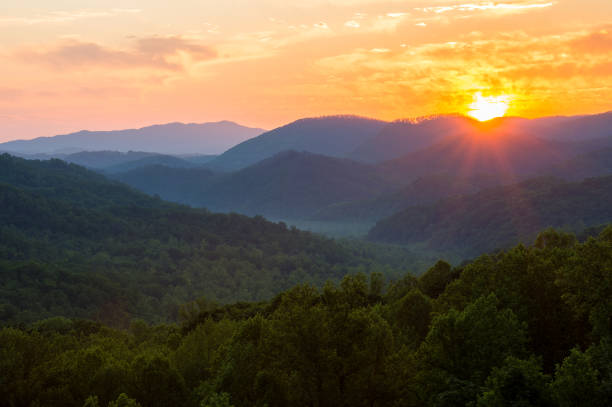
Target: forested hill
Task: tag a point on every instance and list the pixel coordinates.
(75, 244)
(527, 327)
(500, 217)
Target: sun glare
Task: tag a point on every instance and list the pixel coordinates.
(485, 108)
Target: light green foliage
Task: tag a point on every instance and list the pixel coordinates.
(469, 343)
(124, 401)
(577, 382)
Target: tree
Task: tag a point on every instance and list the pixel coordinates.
(518, 383)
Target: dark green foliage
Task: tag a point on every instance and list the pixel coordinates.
(434, 281)
(516, 383)
(501, 217)
(75, 244)
(484, 341)
(526, 327)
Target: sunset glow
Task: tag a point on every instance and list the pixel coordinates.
(113, 64)
(488, 107)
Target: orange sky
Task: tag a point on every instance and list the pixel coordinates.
(118, 64)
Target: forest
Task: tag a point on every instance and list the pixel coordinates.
(530, 326)
(110, 297)
(76, 244)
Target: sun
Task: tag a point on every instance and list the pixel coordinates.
(485, 108)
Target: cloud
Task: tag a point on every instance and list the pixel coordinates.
(487, 6)
(55, 17)
(156, 52)
(352, 24)
(546, 67)
(596, 42)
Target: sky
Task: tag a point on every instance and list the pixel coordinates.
(67, 65)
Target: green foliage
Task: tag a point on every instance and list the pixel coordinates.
(434, 281)
(124, 401)
(75, 244)
(468, 344)
(516, 383)
(577, 382)
(500, 217)
(506, 329)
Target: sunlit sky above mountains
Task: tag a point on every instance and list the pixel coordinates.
(68, 64)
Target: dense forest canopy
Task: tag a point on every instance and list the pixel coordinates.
(74, 243)
(530, 326)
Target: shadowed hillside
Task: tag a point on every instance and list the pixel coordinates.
(500, 217)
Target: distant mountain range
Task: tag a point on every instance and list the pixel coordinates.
(374, 141)
(334, 136)
(348, 169)
(289, 185)
(460, 156)
(171, 138)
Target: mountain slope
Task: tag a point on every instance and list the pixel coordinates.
(73, 243)
(183, 185)
(423, 191)
(171, 138)
(492, 150)
(404, 136)
(499, 217)
(335, 136)
(294, 185)
(289, 185)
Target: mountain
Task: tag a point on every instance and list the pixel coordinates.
(423, 191)
(171, 138)
(101, 159)
(572, 128)
(490, 149)
(157, 159)
(499, 217)
(76, 244)
(294, 185)
(180, 184)
(334, 136)
(592, 164)
(289, 185)
(404, 136)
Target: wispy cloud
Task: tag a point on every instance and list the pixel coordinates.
(156, 52)
(487, 6)
(55, 17)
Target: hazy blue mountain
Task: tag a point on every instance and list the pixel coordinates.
(157, 159)
(294, 185)
(572, 128)
(498, 217)
(490, 150)
(102, 159)
(178, 184)
(289, 185)
(172, 138)
(425, 190)
(198, 159)
(334, 136)
(405, 136)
